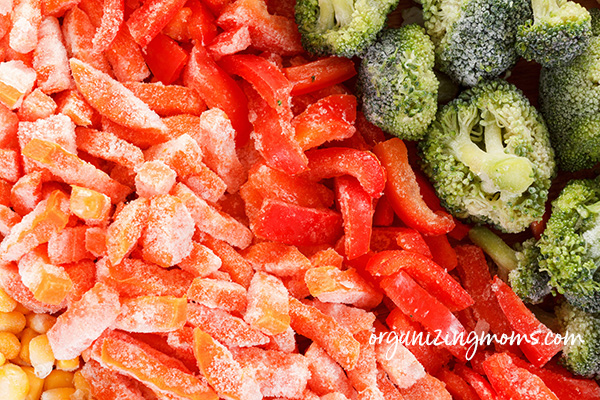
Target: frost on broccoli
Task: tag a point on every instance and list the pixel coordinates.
(396, 82)
(341, 27)
(559, 32)
(475, 39)
(489, 157)
(527, 280)
(581, 353)
(570, 103)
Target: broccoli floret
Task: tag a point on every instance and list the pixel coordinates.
(570, 103)
(570, 245)
(341, 27)
(489, 157)
(581, 353)
(475, 39)
(559, 32)
(396, 82)
(527, 280)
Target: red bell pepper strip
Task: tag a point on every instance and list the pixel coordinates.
(385, 238)
(475, 277)
(542, 344)
(112, 19)
(230, 42)
(403, 192)
(337, 161)
(479, 384)
(165, 58)
(456, 385)
(515, 383)
(427, 273)
(356, 207)
(218, 90)
(201, 25)
(441, 251)
(273, 135)
(329, 118)
(422, 307)
(150, 18)
(291, 224)
(319, 74)
(265, 78)
(384, 213)
(411, 240)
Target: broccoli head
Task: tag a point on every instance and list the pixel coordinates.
(559, 32)
(489, 157)
(570, 245)
(527, 280)
(474, 39)
(396, 82)
(341, 27)
(581, 353)
(570, 103)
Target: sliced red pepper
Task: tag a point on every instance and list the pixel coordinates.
(384, 213)
(356, 207)
(541, 343)
(273, 135)
(513, 382)
(338, 161)
(150, 18)
(411, 240)
(475, 277)
(429, 275)
(403, 192)
(165, 58)
(456, 385)
(385, 238)
(441, 251)
(319, 74)
(422, 307)
(265, 78)
(201, 25)
(479, 384)
(112, 19)
(230, 42)
(329, 118)
(291, 224)
(218, 90)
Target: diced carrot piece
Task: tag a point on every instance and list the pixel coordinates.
(167, 100)
(5, 190)
(37, 105)
(83, 322)
(278, 374)
(222, 372)
(142, 138)
(201, 25)
(224, 327)
(95, 241)
(126, 58)
(49, 216)
(353, 319)
(68, 246)
(205, 183)
(364, 376)
(181, 343)
(112, 99)
(401, 366)
(428, 387)
(210, 220)
(10, 167)
(49, 283)
(326, 332)
(8, 219)
(26, 193)
(148, 20)
(182, 154)
(50, 58)
(108, 146)
(277, 259)
(326, 375)
(91, 206)
(106, 383)
(79, 31)
(268, 305)
(268, 32)
(57, 8)
(125, 231)
(72, 169)
(230, 42)
(130, 357)
(16, 80)
(152, 314)
(201, 262)
(165, 58)
(83, 276)
(213, 293)
(9, 125)
(26, 19)
(234, 264)
(154, 178)
(112, 19)
(72, 104)
(167, 238)
(134, 277)
(11, 283)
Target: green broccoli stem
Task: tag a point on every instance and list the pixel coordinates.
(498, 171)
(334, 12)
(492, 245)
(543, 8)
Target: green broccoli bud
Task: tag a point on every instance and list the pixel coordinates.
(341, 27)
(581, 353)
(527, 280)
(489, 157)
(396, 82)
(559, 32)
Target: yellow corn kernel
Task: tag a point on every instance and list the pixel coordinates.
(41, 323)
(26, 337)
(9, 345)
(14, 384)
(7, 304)
(68, 365)
(58, 379)
(36, 385)
(41, 356)
(13, 322)
(58, 394)
(22, 309)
